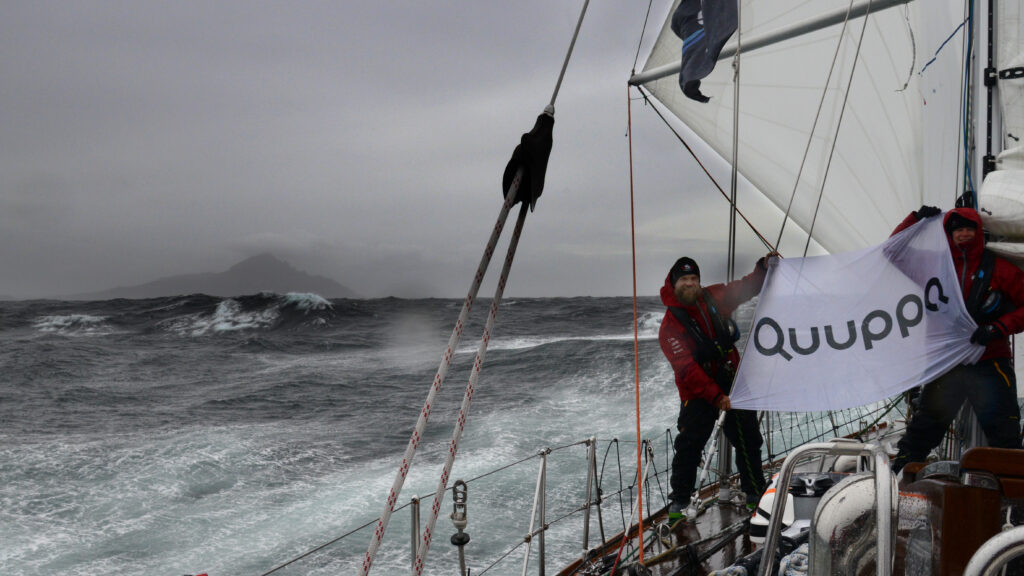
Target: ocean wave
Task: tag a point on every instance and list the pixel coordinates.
(650, 322)
(528, 342)
(228, 317)
(264, 311)
(306, 301)
(73, 325)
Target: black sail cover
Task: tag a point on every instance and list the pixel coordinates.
(704, 26)
(532, 156)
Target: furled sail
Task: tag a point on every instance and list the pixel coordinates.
(899, 143)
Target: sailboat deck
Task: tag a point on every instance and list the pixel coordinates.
(717, 537)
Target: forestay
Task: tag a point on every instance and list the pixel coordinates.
(843, 330)
(899, 143)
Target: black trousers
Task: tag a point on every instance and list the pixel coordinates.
(696, 421)
(991, 388)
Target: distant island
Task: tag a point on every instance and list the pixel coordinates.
(263, 273)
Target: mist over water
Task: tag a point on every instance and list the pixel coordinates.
(228, 436)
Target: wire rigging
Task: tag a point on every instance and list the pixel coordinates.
(839, 124)
(814, 126)
(682, 141)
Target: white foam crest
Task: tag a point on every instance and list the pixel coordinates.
(650, 323)
(228, 317)
(73, 325)
(524, 343)
(307, 301)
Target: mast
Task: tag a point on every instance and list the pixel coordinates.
(989, 161)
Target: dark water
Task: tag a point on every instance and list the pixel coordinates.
(191, 434)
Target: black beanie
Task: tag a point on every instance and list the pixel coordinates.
(956, 221)
(682, 267)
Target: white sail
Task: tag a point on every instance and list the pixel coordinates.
(899, 142)
(1002, 195)
(1009, 55)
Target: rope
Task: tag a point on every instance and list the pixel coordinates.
(442, 372)
(453, 341)
(682, 141)
(467, 399)
(814, 126)
(636, 322)
(839, 124)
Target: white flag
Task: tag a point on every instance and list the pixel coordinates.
(845, 330)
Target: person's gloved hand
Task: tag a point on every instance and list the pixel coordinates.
(985, 334)
(723, 403)
(762, 263)
(927, 212)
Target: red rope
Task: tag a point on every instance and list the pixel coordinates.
(636, 349)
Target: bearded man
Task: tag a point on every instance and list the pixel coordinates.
(698, 337)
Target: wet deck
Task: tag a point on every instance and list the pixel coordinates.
(718, 537)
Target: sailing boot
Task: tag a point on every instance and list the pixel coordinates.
(752, 501)
(677, 511)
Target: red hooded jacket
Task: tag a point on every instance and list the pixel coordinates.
(1006, 278)
(677, 344)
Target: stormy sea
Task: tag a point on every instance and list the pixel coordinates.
(261, 434)
(233, 436)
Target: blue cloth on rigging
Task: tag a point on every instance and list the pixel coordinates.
(704, 27)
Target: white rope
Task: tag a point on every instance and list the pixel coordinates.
(442, 372)
(467, 399)
(453, 341)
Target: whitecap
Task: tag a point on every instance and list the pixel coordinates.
(307, 301)
(73, 324)
(228, 317)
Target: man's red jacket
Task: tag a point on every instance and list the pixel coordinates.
(691, 378)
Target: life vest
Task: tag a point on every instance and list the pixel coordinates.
(983, 303)
(707, 349)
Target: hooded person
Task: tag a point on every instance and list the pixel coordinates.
(993, 292)
(697, 336)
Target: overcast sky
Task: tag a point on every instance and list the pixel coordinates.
(364, 141)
